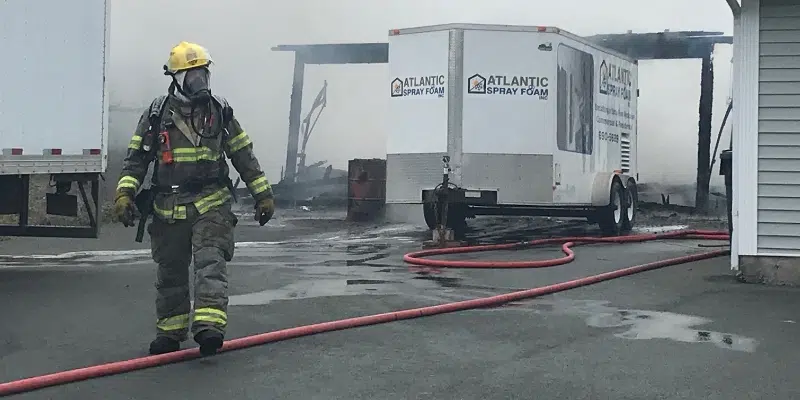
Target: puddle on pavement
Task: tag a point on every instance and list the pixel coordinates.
(503, 230)
(445, 281)
(348, 270)
(645, 325)
(396, 284)
(641, 324)
(306, 289)
(368, 242)
(77, 258)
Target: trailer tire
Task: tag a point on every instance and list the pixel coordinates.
(631, 201)
(611, 218)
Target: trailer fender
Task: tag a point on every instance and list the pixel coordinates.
(601, 188)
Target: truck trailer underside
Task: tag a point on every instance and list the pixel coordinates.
(15, 200)
(450, 206)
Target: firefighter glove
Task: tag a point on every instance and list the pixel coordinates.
(125, 210)
(264, 210)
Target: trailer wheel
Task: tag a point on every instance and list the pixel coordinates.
(612, 218)
(631, 201)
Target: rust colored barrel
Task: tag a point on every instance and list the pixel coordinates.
(366, 189)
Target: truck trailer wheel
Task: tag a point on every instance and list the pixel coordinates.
(612, 218)
(631, 201)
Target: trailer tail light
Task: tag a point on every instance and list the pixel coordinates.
(394, 32)
(94, 152)
(16, 151)
(549, 29)
(53, 152)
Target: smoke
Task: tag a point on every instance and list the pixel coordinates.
(257, 81)
(668, 117)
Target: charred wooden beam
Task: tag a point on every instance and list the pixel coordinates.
(704, 133)
(295, 106)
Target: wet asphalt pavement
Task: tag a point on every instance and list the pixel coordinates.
(683, 332)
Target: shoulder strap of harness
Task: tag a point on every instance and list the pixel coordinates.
(155, 114)
(225, 107)
(156, 111)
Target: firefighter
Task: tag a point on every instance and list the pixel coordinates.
(188, 134)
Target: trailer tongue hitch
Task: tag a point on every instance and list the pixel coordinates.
(441, 196)
(442, 235)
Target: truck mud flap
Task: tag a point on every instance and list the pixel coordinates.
(12, 194)
(62, 204)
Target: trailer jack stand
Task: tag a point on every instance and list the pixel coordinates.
(443, 236)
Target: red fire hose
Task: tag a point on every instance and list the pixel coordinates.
(416, 258)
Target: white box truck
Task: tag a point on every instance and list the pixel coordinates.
(534, 121)
(53, 110)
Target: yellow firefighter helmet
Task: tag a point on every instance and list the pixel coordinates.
(187, 56)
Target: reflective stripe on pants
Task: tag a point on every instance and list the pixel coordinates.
(210, 316)
(172, 324)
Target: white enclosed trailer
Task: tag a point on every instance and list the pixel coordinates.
(534, 120)
(53, 109)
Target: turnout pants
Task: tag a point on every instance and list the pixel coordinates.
(208, 238)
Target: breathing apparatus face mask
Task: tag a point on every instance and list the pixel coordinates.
(194, 84)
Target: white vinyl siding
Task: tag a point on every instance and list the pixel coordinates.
(779, 129)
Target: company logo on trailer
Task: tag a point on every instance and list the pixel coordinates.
(418, 86)
(615, 81)
(535, 86)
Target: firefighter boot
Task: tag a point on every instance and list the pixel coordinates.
(163, 344)
(210, 341)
